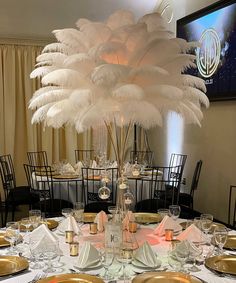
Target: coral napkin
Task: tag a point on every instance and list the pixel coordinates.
(101, 219)
(193, 234)
(167, 223)
(128, 217)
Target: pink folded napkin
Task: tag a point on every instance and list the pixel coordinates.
(193, 234)
(101, 219)
(128, 217)
(167, 223)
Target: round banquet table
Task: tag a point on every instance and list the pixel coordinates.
(144, 233)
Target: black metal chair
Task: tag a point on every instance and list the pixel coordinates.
(14, 195)
(142, 157)
(37, 158)
(155, 190)
(186, 199)
(232, 204)
(92, 180)
(84, 155)
(40, 180)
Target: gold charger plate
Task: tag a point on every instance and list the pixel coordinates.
(165, 277)
(71, 278)
(146, 218)
(230, 243)
(89, 217)
(222, 263)
(52, 224)
(71, 176)
(213, 226)
(12, 264)
(3, 242)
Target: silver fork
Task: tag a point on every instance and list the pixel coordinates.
(35, 279)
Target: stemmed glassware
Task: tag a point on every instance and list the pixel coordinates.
(220, 237)
(78, 212)
(36, 254)
(107, 258)
(26, 222)
(35, 217)
(112, 210)
(206, 223)
(49, 254)
(125, 257)
(12, 235)
(194, 254)
(182, 254)
(174, 211)
(66, 211)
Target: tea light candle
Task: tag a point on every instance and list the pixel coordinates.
(122, 186)
(136, 172)
(69, 236)
(74, 249)
(93, 228)
(169, 234)
(132, 227)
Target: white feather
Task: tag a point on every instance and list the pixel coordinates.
(179, 63)
(154, 21)
(41, 113)
(128, 92)
(53, 57)
(41, 71)
(57, 47)
(197, 95)
(120, 18)
(192, 81)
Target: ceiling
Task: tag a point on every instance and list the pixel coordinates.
(37, 18)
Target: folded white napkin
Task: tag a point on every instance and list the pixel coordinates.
(128, 217)
(193, 234)
(78, 168)
(42, 231)
(88, 256)
(67, 169)
(167, 223)
(146, 256)
(69, 224)
(101, 219)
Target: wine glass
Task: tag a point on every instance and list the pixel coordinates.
(195, 252)
(49, 253)
(125, 257)
(35, 217)
(174, 211)
(11, 235)
(79, 212)
(206, 223)
(220, 237)
(163, 212)
(66, 211)
(36, 254)
(182, 254)
(106, 258)
(26, 222)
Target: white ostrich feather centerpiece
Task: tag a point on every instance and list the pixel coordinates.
(118, 70)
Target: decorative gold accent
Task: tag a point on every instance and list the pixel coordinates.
(71, 176)
(69, 235)
(74, 249)
(145, 218)
(93, 228)
(165, 277)
(71, 278)
(222, 263)
(3, 242)
(52, 224)
(213, 226)
(12, 264)
(89, 217)
(169, 233)
(231, 242)
(133, 227)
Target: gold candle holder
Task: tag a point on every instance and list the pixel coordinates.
(69, 236)
(169, 233)
(133, 227)
(93, 228)
(74, 249)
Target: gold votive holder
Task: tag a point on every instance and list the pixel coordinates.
(74, 249)
(93, 228)
(69, 236)
(169, 233)
(133, 227)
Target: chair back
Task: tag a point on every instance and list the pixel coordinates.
(93, 179)
(7, 173)
(37, 158)
(142, 157)
(196, 176)
(84, 155)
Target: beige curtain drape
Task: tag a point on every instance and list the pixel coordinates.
(17, 134)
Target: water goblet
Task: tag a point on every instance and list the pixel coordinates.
(35, 217)
(163, 212)
(66, 211)
(26, 222)
(182, 255)
(125, 257)
(174, 211)
(107, 258)
(78, 212)
(194, 254)
(49, 253)
(12, 235)
(37, 254)
(206, 223)
(220, 237)
(112, 210)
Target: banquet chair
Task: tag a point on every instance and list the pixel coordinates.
(37, 158)
(84, 155)
(92, 180)
(186, 199)
(154, 190)
(40, 180)
(14, 195)
(232, 200)
(142, 157)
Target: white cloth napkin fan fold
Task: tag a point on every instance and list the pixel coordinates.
(101, 219)
(69, 224)
(167, 223)
(146, 256)
(68, 169)
(78, 168)
(193, 234)
(88, 256)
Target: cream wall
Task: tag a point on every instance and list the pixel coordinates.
(214, 143)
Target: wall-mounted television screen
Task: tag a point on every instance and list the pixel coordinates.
(215, 29)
